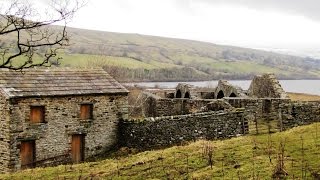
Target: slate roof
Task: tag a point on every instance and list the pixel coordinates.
(57, 81)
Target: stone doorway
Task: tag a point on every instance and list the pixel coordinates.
(220, 95)
(178, 94)
(77, 148)
(27, 154)
(187, 95)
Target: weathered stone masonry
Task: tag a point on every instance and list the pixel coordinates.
(158, 132)
(266, 85)
(300, 113)
(60, 94)
(286, 113)
(53, 138)
(155, 106)
(4, 135)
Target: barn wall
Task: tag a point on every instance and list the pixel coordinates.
(62, 116)
(4, 135)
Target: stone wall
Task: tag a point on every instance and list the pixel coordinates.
(152, 133)
(282, 114)
(300, 113)
(266, 86)
(155, 106)
(53, 138)
(162, 93)
(4, 135)
(261, 111)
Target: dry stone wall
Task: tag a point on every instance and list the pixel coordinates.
(274, 114)
(262, 110)
(154, 106)
(282, 114)
(300, 113)
(152, 133)
(53, 138)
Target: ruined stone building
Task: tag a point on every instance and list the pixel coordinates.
(188, 113)
(53, 116)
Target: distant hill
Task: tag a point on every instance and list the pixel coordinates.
(162, 58)
(135, 57)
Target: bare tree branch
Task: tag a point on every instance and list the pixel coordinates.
(22, 37)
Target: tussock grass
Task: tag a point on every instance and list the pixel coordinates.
(303, 97)
(247, 157)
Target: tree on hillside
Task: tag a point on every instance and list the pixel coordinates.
(26, 38)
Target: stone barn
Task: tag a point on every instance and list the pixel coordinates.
(54, 116)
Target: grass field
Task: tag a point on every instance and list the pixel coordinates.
(203, 65)
(303, 97)
(86, 60)
(248, 157)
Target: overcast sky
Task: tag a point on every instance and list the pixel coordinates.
(287, 24)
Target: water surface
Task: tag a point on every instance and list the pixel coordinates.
(300, 86)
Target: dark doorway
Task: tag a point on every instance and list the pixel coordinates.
(187, 95)
(266, 106)
(27, 154)
(178, 94)
(220, 94)
(233, 95)
(77, 148)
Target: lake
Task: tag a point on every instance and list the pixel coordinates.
(300, 86)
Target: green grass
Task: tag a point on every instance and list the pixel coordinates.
(244, 67)
(86, 60)
(204, 66)
(244, 157)
(221, 65)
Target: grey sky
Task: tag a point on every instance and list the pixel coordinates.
(308, 8)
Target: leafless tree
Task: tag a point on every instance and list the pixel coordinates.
(26, 37)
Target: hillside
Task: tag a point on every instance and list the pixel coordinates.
(204, 60)
(135, 57)
(294, 152)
